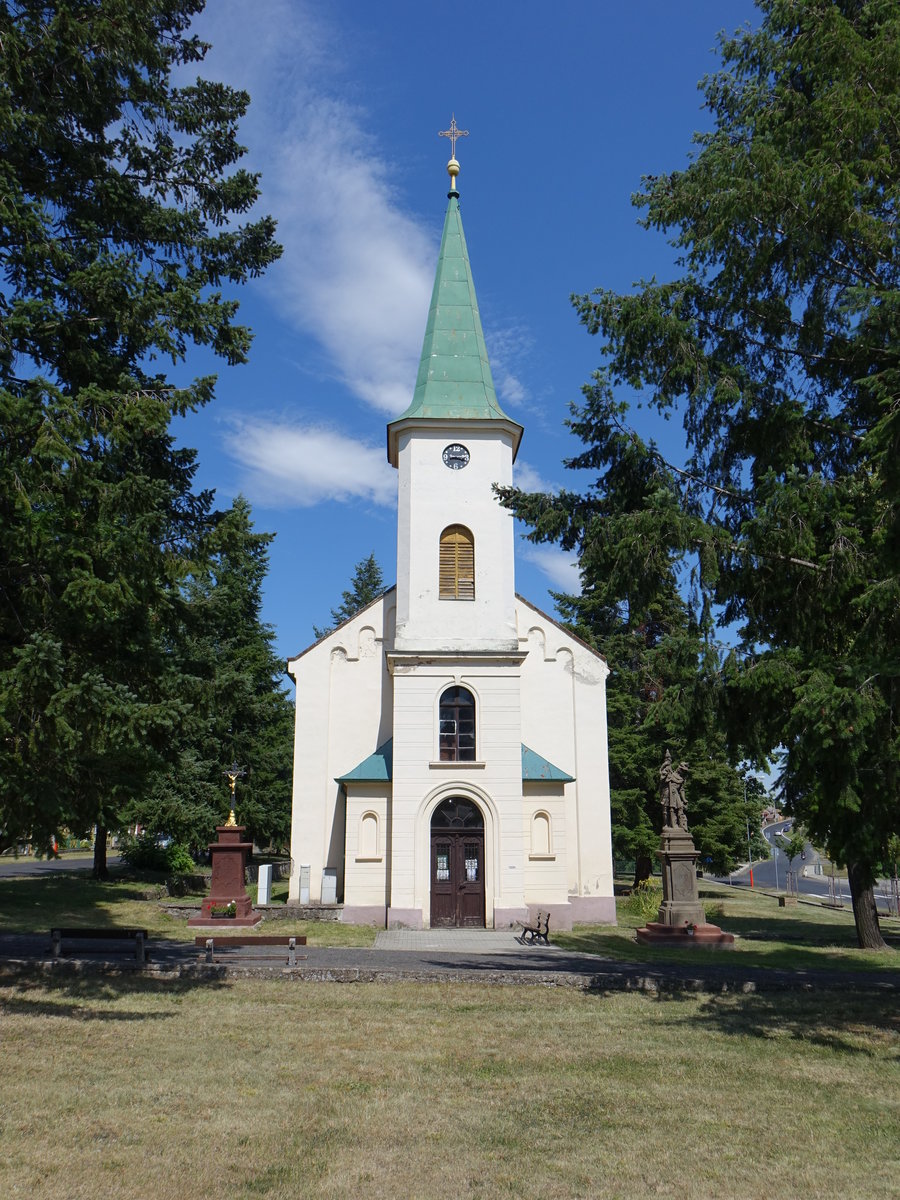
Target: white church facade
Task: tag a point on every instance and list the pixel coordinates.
(450, 757)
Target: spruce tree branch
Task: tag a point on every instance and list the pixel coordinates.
(785, 558)
(713, 487)
(652, 450)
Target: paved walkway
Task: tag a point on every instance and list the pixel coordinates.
(486, 957)
(450, 941)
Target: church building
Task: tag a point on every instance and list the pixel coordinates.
(450, 757)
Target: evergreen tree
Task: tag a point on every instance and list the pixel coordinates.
(778, 346)
(365, 586)
(657, 646)
(656, 702)
(223, 667)
(120, 206)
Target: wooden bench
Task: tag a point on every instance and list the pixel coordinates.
(138, 936)
(537, 932)
(219, 949)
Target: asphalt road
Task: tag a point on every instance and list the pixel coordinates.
(25, 865)
(771, 874)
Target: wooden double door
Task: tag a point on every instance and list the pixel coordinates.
(457, 866)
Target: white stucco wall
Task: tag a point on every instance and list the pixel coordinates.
(421, 781)
(564, 720)
(432, 497)
(343, 714)
(366, 869)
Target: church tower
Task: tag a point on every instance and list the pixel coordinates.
(455, 581)
(450, 762)
(456, 652)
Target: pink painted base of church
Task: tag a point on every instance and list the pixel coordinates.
(592, 910)
(709, 937)
(364, 914)
(587, 910)
(405, 918)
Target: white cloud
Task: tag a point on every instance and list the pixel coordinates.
(529, 479)
(560, 566)
(290, 465)
(357, 271)
(510, 344)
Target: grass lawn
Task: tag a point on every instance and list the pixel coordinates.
(37, 903)
(795, 938)
(133, 1087)
(799, 937)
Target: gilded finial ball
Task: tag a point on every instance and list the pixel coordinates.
(453, 169)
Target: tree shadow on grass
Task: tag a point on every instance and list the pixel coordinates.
(35, 902)
(778, 942)
(861, 1022)
(89, 997)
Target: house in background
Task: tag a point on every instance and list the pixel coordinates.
(450, 760)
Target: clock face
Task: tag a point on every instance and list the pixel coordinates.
(455, 456)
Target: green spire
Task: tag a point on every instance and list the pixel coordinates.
(454, 379)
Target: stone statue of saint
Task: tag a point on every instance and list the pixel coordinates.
(671, 793)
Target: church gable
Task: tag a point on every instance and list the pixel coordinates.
(358, 636)
(547, 636)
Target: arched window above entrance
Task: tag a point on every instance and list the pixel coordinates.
(457, 564)
(457, 813)
(456, 725)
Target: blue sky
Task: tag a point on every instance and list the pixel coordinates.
(567, 107)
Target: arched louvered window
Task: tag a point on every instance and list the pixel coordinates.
(457, 568)
(457, 725)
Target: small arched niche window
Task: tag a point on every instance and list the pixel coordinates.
(456, 727)
(457, 564)
(368, 835)
(540, 835)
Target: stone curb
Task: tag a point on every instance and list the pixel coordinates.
(627, 980)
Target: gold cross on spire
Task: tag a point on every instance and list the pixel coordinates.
(453, 133)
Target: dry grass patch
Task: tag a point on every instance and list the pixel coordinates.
(137, 1088)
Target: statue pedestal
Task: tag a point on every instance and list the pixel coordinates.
(682, 918)
(229, 860)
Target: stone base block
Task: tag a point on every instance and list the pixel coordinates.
(709, 937)
(243, 917)
(224, 922)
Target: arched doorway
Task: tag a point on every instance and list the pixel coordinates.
(457, 864)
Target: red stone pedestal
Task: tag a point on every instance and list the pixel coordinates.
(654, 933)
(229, 860)
(682, 918)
